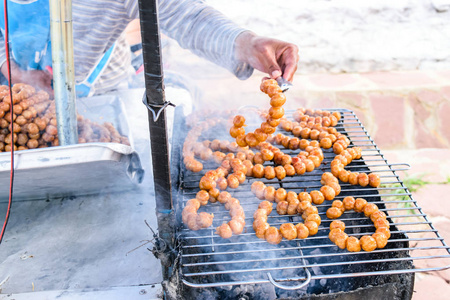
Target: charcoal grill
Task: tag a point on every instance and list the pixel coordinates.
(201, 264)
(314, 265)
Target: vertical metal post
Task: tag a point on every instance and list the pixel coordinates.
(63, 70)
(155, 100)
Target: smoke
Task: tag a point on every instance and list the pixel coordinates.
(209, 259)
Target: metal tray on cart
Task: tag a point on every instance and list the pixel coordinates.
(77, 169)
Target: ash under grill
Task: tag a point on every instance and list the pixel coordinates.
(246, 265)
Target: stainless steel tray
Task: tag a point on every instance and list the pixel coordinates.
(77, 169)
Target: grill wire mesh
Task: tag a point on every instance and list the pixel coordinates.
(207, 260)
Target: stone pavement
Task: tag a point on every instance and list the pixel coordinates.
(400, 110)
(433, 167)
(351, 36)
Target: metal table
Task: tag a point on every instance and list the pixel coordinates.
(82, 247)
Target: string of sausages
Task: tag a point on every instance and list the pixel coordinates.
(287, 203)
(367, 242)
(291, 203)
(276, 112)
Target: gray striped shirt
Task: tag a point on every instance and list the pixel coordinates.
(195, 25)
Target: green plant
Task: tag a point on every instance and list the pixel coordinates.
(412, 183)
(415, 182)
(447, 181)
(399, 193)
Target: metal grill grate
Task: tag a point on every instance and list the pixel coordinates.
(210, 261)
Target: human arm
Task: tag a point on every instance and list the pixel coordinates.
(205, 31)
(209, 34)
(201, 29)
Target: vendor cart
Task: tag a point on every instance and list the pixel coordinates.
(84, 226)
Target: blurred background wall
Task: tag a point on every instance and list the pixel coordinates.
(389, 61)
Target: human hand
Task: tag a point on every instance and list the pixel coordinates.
(41, 80)
(274, 57)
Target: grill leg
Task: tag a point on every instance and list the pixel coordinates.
(163, 193)
(155, 101)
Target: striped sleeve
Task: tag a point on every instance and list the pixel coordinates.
(2, 50)
(119, 67)
(97, 25)
(203, 30)
(132, 8)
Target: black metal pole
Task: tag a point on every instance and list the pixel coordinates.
(155, 101)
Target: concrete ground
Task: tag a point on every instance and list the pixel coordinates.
(433, 167)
